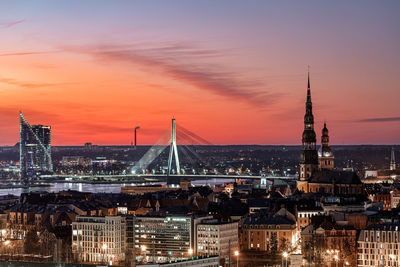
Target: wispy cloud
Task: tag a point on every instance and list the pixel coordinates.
(23, 54)
(186, 63)
(25, 84)
(385, 119)
(9, 24)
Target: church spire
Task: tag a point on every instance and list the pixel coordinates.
(326, 158)
(308, 88)
(392, 161)
(309, 154)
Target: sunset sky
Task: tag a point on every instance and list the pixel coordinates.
(233, 72)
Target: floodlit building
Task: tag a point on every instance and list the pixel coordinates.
(99, 239)
(35, 149)
(379, 245)
(204, 261)
(161, 239)
(265, 232)
(217, 238)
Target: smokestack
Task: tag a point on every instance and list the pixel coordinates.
(136, 128)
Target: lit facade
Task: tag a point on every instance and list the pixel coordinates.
(215, 238)
(99, 239)
(161, 239)
(304, 216)
(379, 245)
(263, 232)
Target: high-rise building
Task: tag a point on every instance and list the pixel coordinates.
(35, 149)
(309, 153)
(326, 158)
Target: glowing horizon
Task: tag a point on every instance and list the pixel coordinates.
(232, 72)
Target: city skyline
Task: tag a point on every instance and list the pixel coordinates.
(232, 73)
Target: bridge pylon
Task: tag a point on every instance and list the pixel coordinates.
(173, 149)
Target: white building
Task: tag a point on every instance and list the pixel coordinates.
(99, 239)
(161, 239)
(216, 238)
(212, 261)
(379, 245)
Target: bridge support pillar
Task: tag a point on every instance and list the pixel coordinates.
(173, 150)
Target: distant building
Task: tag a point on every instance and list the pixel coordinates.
(379, 245)
(75, 161)
(217, 238)
(141, 190)
(392, 161)
(88, 145)
(35, 149)
(99, 239)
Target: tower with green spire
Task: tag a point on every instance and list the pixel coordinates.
(325, 154)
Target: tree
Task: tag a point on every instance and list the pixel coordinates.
(31, 242)
(47, 242)
(274, 243)
(284, 245)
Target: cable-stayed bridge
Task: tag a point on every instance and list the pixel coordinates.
(175, 137)
(173, 157)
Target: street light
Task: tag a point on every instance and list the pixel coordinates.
(336, 257)
(392, 257)
(190, 251)
(104, 247)
(285, 255)
(237, 259)
(144, 248)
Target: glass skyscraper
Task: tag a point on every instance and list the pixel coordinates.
(35, 149)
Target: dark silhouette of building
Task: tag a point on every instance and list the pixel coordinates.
(316, 173)
(326, 158)
(309, 154)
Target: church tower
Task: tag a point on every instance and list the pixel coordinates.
(309, 154)
(392, 161)
(326, 158)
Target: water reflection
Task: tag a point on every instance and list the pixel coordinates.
(95, 188)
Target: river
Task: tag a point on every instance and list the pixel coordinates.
(94, 188)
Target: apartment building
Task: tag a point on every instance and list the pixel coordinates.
(99, 239)
(217, 238)
(163, 238)
(379, 245)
